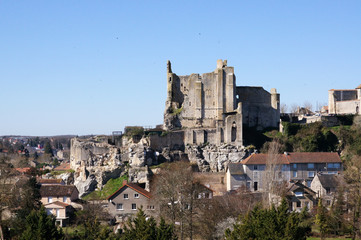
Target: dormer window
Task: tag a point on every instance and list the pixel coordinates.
(299, 194)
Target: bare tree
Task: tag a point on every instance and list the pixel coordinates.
(273, 179)
(293, 108)
(284, 108)
(176, 192)
(308, 105)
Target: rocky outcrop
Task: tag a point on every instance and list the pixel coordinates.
(95, 161)
(212, 158)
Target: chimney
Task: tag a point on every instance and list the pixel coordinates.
(125, 182)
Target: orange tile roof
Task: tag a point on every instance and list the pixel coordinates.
(295, 157)
(22, 170)
(135, 187)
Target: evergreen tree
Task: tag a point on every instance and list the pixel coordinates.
(48, 149)
(321, 219)
(145, 228)
(274, 223)
(40, 226)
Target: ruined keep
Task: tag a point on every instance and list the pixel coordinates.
(210, 108)
(344, 101)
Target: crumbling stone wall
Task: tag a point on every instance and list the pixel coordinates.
(210, 108)
(344, 101)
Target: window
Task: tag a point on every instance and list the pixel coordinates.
(298, 204)
(307, 204)
(255, 167)
(65, 199)
(150, 207)
(119, 206)
(136, 195)
(50, 199)
(333, 165)
(328, 202)
(294, 174)
(309, 183)
(134, 206)
(311, 174)
(295, 165)
(126, 196)
(310, 165)
(255, 175)
(57, 213)
(255, 186)
(299, 194)
(328, 190)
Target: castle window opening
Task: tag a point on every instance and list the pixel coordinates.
(205, 136)
(222, 136)
(194, 137)
(237, 96)
(233, 132)
(170, 79)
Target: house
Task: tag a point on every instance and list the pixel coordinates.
(300, 196)
(296, 166)
(212, 180)
(235, 176)
(326, 186)
(61, 193)
(60, 210)
(127, 199)
(58, 200)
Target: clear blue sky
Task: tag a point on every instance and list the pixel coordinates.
(92, 67)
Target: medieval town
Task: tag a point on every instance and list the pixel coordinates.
(223, 151)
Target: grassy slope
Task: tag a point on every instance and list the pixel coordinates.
(109, 188)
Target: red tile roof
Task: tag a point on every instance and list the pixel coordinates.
(22, 170)
(295, 157)
(135, 187)
(262, 158)
(50, 181)
(62, 167)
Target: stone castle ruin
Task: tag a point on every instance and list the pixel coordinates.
(210, 108)
(344, 101)
(203, 123)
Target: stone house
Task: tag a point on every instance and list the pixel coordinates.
(300, 196)
(235, 176)
(344, 101)
(326, 186)
(210, 108)
(296, 166)
(58, 199)
(127, 199)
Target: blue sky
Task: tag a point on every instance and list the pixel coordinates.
(92, 67)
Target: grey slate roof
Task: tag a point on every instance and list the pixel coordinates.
(236, 168)
(329, 180)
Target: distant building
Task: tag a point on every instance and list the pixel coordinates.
(344, 101)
